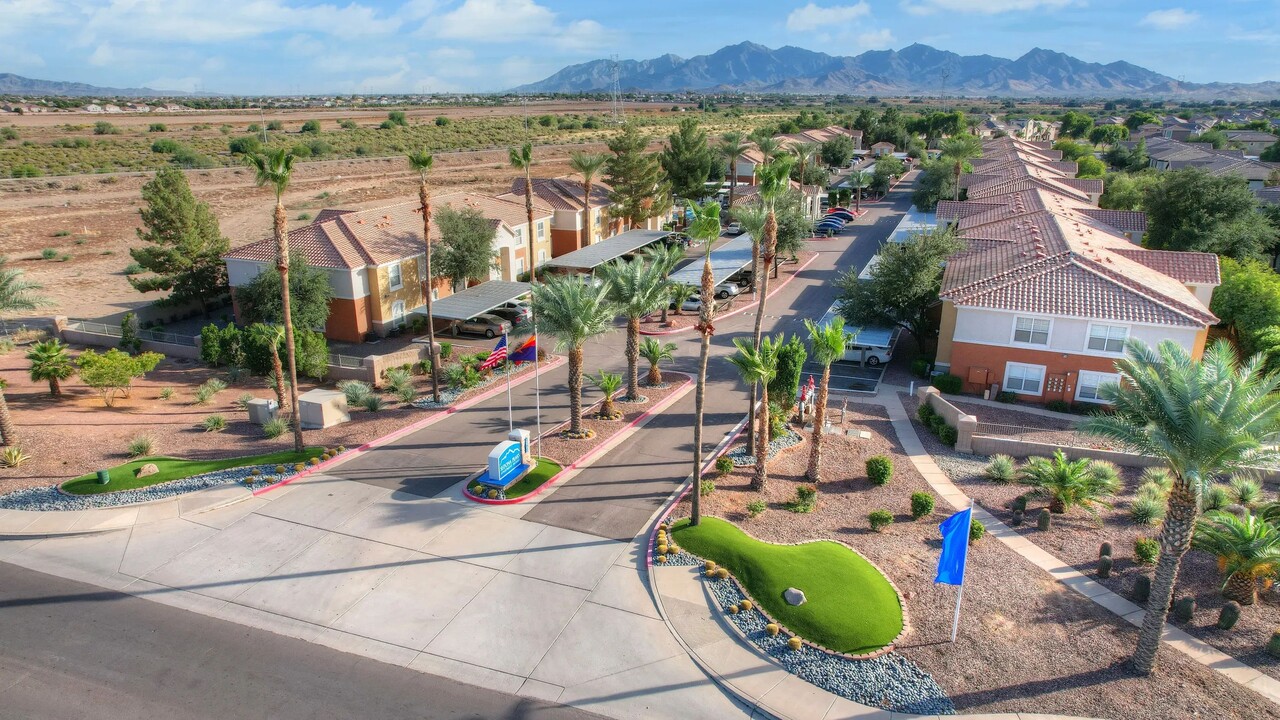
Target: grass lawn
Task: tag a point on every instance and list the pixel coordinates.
(850, 606)
(546, 470)
(123, 478)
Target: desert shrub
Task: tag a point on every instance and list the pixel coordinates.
(102, 127)
(880, 519)
(26, 170)
(446, 350)
(1061, 406)
(373, 402)
(1006, 396)
(921, 505)
(724, 465)
(214, 423)
(48, 254)
(1216, 497)
(166, 393)
(1245, 491)
(397, 379)
(926, 413)
(13, 457)
(706, 487)
(134, 268)
(9, 134)
(1158, 482)
(242, 402)
(355, 390)
(755, 507)
(396, 117)
(948, 435)
(406, 394)
(301, 150)
(274, 428)
(805, 501)
(140, 446)
(311, 126)
(442, 121)
(207, 390)
(319, 147)
(165, 145)
(879, 469)
(976, 531)
(275, 125)
(1147, 511)
(245, 145)
(187, 158)
(348, 125)
(1106, 472)
(1002, 469)
(948, 383)
(1146, 550)
(157, 127)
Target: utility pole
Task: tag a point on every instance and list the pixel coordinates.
(616, 105)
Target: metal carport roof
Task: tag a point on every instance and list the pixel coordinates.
(474, 300)
(593, 256)
(725, 261)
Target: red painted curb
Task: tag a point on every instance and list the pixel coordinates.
(432, 419)
(667, 402)
(744, 308)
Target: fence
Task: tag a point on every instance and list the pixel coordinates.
(345, 361)
(88, 332)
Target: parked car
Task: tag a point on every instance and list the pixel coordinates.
(516, 316)
(677, 238)
(526, 312)
(742, 278)
(727, 290)
(733, 229)
(485, 324)
(693, 303)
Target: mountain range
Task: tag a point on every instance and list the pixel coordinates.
(11, 84)
(914, 70)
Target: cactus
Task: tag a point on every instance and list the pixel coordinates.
(673, 549)
(279, 469)
(1273, 645)
(794, 643)
(745, 605)
(1043, 521)
(1184, 608)
(1229, 614)
(709, 564)
(721, 573)
(709, 572)
(1016, 520)
(299, 467)
(661, 559)
(1020, 503)
(1141, 588)
(733, 609)
(493, 494)
(662, 548)
(1104, 566)
(772, 629)
(1104, 549)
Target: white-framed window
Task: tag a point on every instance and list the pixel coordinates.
(1107, 338)
(1031, 331)
(542, 256)
(397, 313)
(1024, 379)
(519, 265)
(1089, 382)
(542, 230)
(394, 278)
(519, 234)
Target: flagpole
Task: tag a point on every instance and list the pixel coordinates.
(506, 367)
(955, 622)
(537, 382)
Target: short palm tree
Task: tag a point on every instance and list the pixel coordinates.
(704, 229)
(958, 150)
(1068, 483)
(1247, 548)
(274, 168)
(857, 182)
(769, 148)
(655, 352)
(422, 162)
(522, 159)
(16, 293)
(759, 366)
(573, 311)
(636, 288)
(608, 383)
(732, 146)
(1205, 420)
(827, 344)
(588, 166)
(50, 363)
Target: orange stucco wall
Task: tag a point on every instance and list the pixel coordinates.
(565, 241)
(968, 360)
(348, 319)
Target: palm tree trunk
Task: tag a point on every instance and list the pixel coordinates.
(633, 359)
(55, 387)
(575, 390)
(279, 370)
(704, 327)
(733, 180)
(282, 247)
(586, 212)
(424, 196)
(1175, 539)
(761, 476)
(528, 209)
(1241, 587)
(655, 375)
(755, 341)
(8, 433)
(814, 473)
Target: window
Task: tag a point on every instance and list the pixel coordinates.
(1024, 379)
(519, 265)
(542, 256)
(1108, 338)
(1087, 386)
(393, 275)
(397, 313)
(1032, 331)
(542, 230)
(519, 234)
(435, 293)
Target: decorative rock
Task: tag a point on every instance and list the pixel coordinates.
(147, 470)
(794, 596)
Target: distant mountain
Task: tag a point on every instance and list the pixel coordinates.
(11, 84)
(914, 70)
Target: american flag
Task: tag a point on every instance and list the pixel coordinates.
(497, 357)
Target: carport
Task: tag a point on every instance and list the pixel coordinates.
(851, 373)
(475, 300)
(591, 257)
(725, 261)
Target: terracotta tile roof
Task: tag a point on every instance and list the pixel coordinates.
(1128, 221)
(562, 193)
(1188, 267)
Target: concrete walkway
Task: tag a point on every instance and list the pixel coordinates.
(49, 523)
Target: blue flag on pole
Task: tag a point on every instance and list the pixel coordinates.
(955, 548)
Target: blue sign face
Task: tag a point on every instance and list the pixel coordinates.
(509, 463)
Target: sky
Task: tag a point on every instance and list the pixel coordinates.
(383, 46)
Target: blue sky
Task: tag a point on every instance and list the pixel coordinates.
(310, 46)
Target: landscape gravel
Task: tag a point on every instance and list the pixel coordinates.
(742, 456)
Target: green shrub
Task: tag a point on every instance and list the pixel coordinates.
(141, 446)
(706, 487)
(1147, 511)
(976, 531)
(311, 126)
(777, 421)
(1145, 551)
(406, 394)
(373, 403)
(301, 151)
(348, 125)
(9, 134)
(208, 389)
(921, 505)
(879, 469)
(273, 429)
(1159, 478)
(1006, 396)
(396, 117)
(724, 465)
(134, 269)
(245, 145)
(948, 435)
(102, 127)
(242, 402)
(397, 379)
(166, 393)
(275, 125)
(355, 390)
(921, 367)
(755, 507)
(1216, 497)
(1002, 469)
(48, 254)
(948, 383)
(214, 423)
(1245, 491)
(805, 501)
(442, 121)
(157, 127)
(13, 457)
(880, 519)
(1061, 406)
(446, 350)
(165, 145)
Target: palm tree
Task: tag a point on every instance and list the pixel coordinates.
(422, 162)
(665, 256)
(655, 352)
(827, 344)
(636, 289)
(752, 218)
(522, 159)
(1247, 548)
(857, 182)
(274, 168)
(15, 294)
(960, 149)
(574, 311)
(759, 366)
(732, 145)
(705, 229)
(805, 153)
(51, 363)
(587, 165)
(608, 383)
(768, 147)
(1205, 420)
(1068, 483)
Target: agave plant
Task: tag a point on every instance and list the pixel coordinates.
(1247, 548)
(1069, 483)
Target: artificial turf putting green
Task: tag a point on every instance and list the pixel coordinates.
(123, 478)
(546, 470)
(850, 606)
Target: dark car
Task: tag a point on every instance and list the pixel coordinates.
(516, 316)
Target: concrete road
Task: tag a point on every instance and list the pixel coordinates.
(72, 650)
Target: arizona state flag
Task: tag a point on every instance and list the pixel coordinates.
(527, 352)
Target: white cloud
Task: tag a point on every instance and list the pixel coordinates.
(304, 45)
(213, 64)
(201, 22)
(496, 20)
(102, 55)
(876, 39)
(813, 17)
(583, 35)
(1170, 19)
(983, 7)
(451, 55)
(22, 15)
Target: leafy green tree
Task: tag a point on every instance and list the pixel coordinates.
(588, 165)
(636, 288)
(689, 161)
(936, 182)
(758, 368)
(1090, 167)
(786, 381)
(50, 363)
(1125, 191)
(184, 246)
(639, 187)
(309, 290)
(1075, 124)
(1140, 118)
(1205, 420)
(1108, 134)
(573, 311)
(1193, 210)
(837, 152)
(1248, 300)
(807, 171)
(902, 287)
(827, 343)
(1271, 153)
(522, 159)
(886, 169)
(465, 251)
(1247, 548)
(1216, 138)
(313, 354)
(112, 373)
(1072, 151)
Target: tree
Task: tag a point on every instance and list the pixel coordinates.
(1204, 420)
(1216, 138)
(1193, 210)
(1124, 191)
(1090, 167)
(587, 165)
(639, 186)
(1271, 153)
(785, 385)
(262, 355)
(1248, 300)
(112, 373)
(1140, 118)
(50, 363)
(857, 182)
(838, 151)
(1075, 124)
(1072, 151)
(689, 161)
(886, 169)
(522, 159)
(311, 126)
(1069, 483)
(422, 162)
(732, 146)
(704, 229)
(1108, 134)
(958, 151)
(466, 245)
(903, 286)
(774, 183)
(184, 244)
(309, 296)
(935, 183)
(313, 354)
(806, 154)
(636, 288)
(275, 169)
(827, 343)
(573, 311)
(794, 226)
(769, 148)
(758, 366)
(16, 293)
(655, 352)
(1247, 548)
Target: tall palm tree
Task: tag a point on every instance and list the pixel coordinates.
(1205, 420)
(732, 146)
(522, 159)
(655, 352)
(704, 229)
(665, 256)
(16, 294)
(758, 366)
(958, 150)
(1247, 548)
(827, 344)
(769, 148)
(274, 168)
(587, 165)
(752, 218)
(573, 311)
(857, 182)
(422, 162)
(50, 363)
(636, 289)
(805, 154)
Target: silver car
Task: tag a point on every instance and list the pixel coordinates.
(488, 325)
(726, 290)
